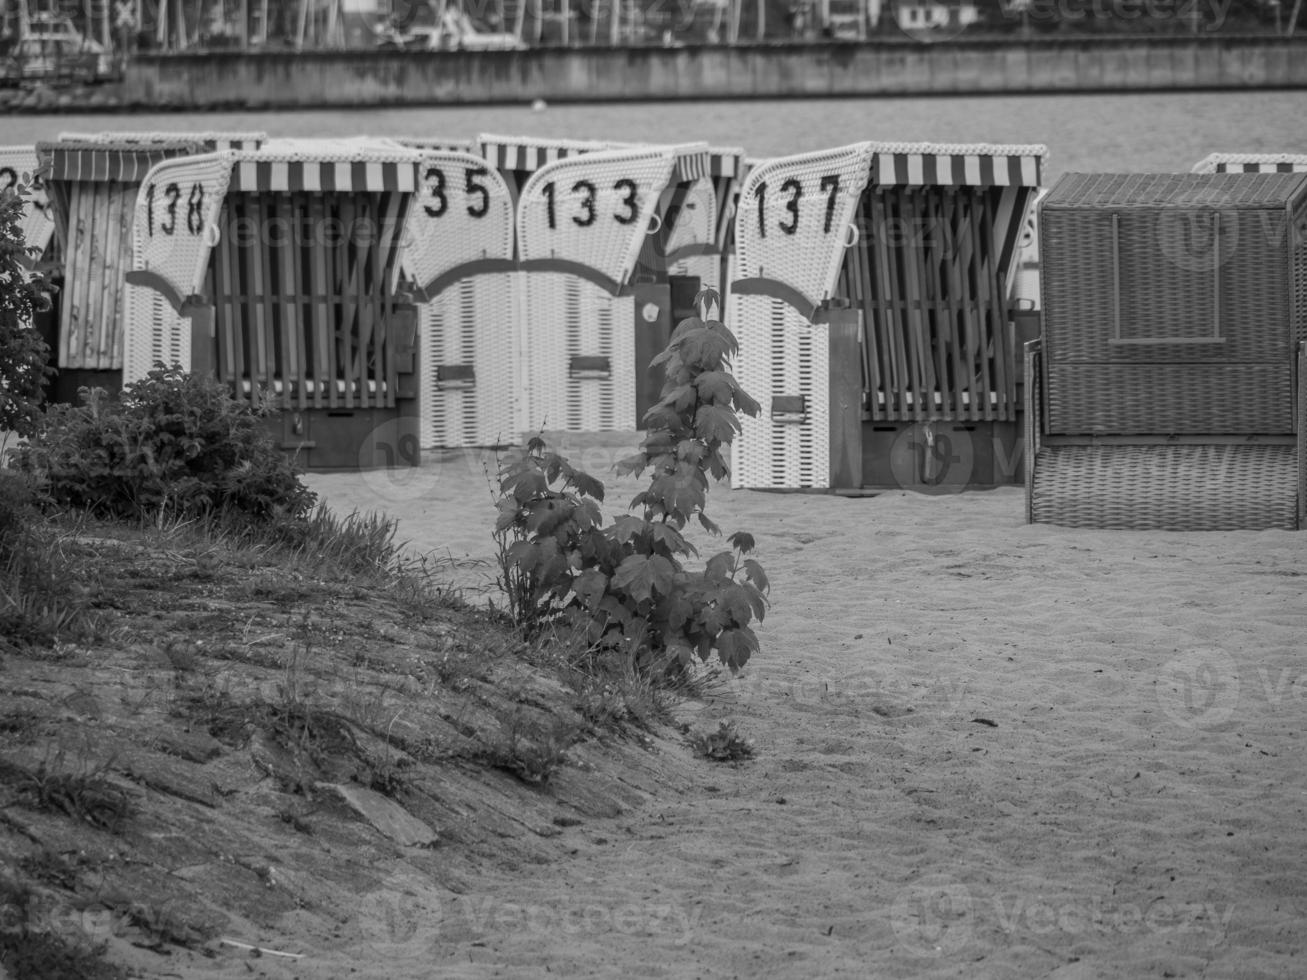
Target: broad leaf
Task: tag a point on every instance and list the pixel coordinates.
(719, 567)
(741, 541)
(588, 485)
(641, 576)
(754, 573)
(708, 525)
(716, 422)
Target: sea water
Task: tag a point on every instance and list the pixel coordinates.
(1150, 131)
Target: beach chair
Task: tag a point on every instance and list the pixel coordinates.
(559, 336)
(93, 181)
(288, 268)
(873, 305)
(1168, 382)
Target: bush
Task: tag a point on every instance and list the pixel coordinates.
(173, 443)
(23, 354)
(625, 584)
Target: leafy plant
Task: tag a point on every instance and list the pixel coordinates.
(173, 443)
(625, 583)
(23, 354)
(723, 745)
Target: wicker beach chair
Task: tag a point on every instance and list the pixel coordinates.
(288, 266)
(554, 337)
(1169, 378)
(871, 301)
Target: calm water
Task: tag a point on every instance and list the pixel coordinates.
(1137, 132)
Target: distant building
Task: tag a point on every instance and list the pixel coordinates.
(923, 16)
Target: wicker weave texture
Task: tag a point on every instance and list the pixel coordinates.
(1175, 488)
(565, 317)
(17, 165)
(153, 333)
(781, 354)
(464, 212)
(1167, 265)
(793, 218)
(176, 220)
(1164, 399)
(470, 325)
(593, 210)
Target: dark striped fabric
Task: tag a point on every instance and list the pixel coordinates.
(956, 169)
(1264, 167)
(530, 157)
(692, 165)
(101, 162)
(337, 176)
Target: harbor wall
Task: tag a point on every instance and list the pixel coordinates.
(391, 78)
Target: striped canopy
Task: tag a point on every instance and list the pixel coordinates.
(525, 153)
(262, 172)
(530, 154)
(1252, 163)
(173, 257)
(971, 165)
(212, 140)
(104, 161)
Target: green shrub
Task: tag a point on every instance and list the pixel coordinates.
(23, 353)
(625, 583)
(173, 443)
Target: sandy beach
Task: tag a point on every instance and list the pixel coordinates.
(984, 749)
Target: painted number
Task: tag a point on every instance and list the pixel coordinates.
(195, 210)
(628, 211)
(436, 183)
(171, 196)
(792, 191)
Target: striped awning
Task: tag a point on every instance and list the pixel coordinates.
(530, 154)
(97, 161)
(255, 175)
(973, 165)
(692, 163)
(438, 145)
(211, 140)
(1252, 163)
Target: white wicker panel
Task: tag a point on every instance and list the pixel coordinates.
(792, 222)
(606, 234)
(38, 220)
(458, 225)
(566, 317)
(182, 257)
(152, 331)
(781, 354)
(471, 323)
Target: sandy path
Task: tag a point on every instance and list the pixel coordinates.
(985, 750)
